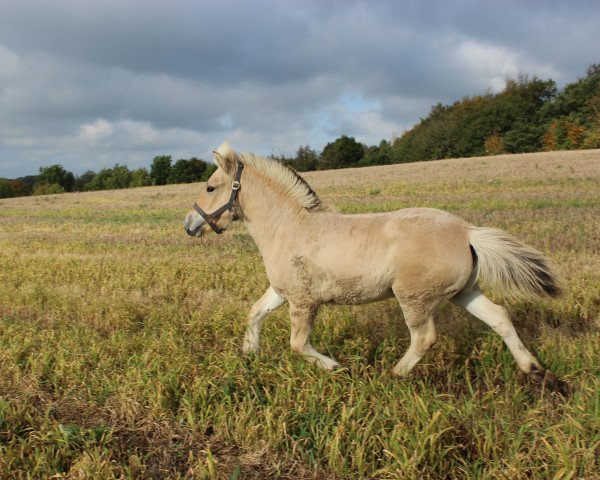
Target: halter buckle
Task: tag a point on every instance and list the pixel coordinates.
(235, 185)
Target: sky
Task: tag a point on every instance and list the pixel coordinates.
(91, 83)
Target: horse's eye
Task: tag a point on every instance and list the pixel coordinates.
(210, 188)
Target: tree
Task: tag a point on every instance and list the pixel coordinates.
(210, 169)
(13, 188)
(475, 125)
(82, 180)
(341, 153)
(140, 178)
(187, 171)
(433, 137)
(572, 119)
(576, 98)
(523, 137)
(29, 181)
(120, 178)
(377, 155)
(6, 190)
(20, 188)
(196, 169)
(160, 169)
(111, 179)
(56, 174)
(592, 138)
(306, 159)
(494, 144)
(98, 181)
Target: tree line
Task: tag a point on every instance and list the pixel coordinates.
(529, 115)
(55, 179)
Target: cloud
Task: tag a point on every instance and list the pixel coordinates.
(88, 84)
(492, 64)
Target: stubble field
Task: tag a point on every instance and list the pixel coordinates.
(120, 341)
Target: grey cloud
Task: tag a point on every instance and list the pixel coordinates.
(90, 83)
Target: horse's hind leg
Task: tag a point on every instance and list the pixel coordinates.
(497, 318)
(302, 318)
(422, 336)
(266, 304)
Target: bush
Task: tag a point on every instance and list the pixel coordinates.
(47, 189)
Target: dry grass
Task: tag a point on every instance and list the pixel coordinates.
(120, 342)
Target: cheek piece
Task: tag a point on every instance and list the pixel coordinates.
(211, 218)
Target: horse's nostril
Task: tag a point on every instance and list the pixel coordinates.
(192, 232)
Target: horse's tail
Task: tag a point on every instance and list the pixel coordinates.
(505, 262)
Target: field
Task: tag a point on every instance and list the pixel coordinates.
(120, 342)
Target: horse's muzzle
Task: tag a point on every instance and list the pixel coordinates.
(193, 224)
(193, 233)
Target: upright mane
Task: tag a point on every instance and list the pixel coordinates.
(291, 183)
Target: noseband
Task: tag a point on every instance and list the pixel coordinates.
(211, 218)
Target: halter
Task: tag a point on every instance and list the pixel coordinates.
(211, 218)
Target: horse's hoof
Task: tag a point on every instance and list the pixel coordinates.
(564, 388)
(339, 370)
(549, 381)
(332, 367)
(250, 349)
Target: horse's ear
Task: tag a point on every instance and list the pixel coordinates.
(226, 158)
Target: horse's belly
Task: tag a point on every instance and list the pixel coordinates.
(324, 284)
(359, 297)
(354, 290)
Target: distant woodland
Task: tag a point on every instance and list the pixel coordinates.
(528, 115)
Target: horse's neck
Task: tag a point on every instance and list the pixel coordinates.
(269, 217)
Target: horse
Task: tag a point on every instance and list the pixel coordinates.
(314, 255)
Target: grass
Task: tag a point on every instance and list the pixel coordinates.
(120, 342)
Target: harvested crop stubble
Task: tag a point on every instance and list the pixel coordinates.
(120, 341)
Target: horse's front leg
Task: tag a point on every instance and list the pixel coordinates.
(266, 304)
(302, 318)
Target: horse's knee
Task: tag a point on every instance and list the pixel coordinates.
(269, 302)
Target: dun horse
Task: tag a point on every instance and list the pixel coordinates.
(313, 256)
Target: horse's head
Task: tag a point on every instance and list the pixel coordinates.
(216, 205)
